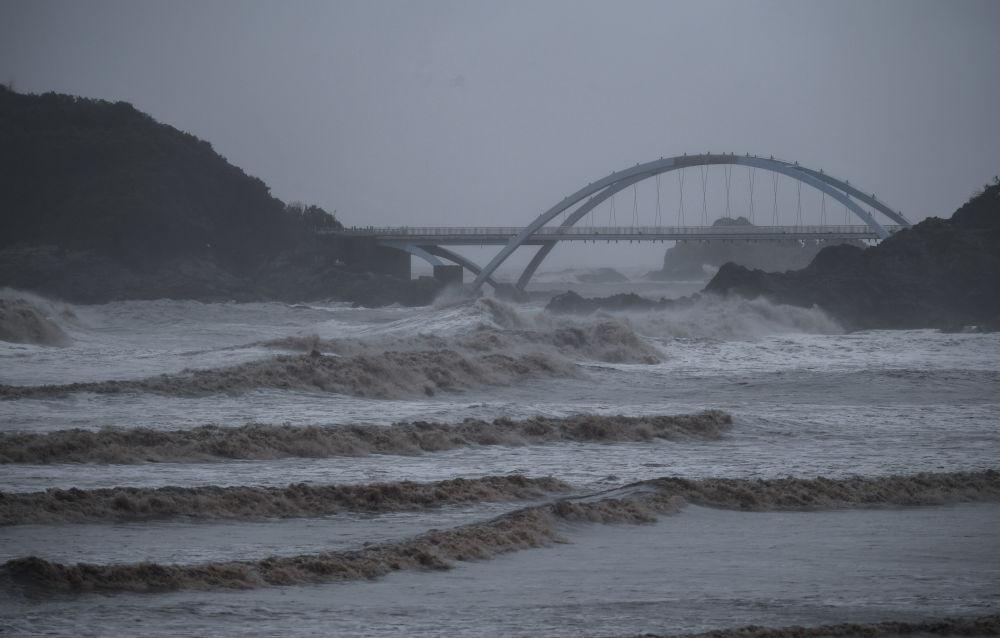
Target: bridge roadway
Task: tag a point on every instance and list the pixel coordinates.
(430, 244)
(502, 235)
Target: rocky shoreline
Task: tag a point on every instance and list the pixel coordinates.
(103, 203)
(941, 273)
(697, 260)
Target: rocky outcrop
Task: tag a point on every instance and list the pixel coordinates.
(101, 202)
(693, 260)
(939, 274)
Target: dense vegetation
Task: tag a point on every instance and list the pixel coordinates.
(92, 175)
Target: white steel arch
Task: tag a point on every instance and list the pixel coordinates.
(602, 189)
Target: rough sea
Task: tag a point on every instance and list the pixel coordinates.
(806, 400)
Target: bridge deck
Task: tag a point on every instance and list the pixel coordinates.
(498, 235)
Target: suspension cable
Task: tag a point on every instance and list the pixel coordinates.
(752, 173)
(798, 203)
(774, 181)
(612, 218)
(658, 214)
(704, 196)
(822, 209)
(680, 200)
(635, 204)
(727, 172)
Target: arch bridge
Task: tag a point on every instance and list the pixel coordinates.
(428, 242)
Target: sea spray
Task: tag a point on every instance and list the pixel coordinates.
(733, 318)
(609, 341)
(26, 320)
(702, 316)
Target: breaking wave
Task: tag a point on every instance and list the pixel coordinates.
(978, 626)
(381, 376)
(485, 343)
(607, 341)
(499, 328)
(526, 528)
(823, 493)
(26, 319)
(728, 318)
(703, 316)
(437, 549)
(258, 441)
(252, 502)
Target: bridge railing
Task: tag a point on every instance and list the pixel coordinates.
(555, 231)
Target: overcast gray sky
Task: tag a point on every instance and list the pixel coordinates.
(423, 113)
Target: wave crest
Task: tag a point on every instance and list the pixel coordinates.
(823, 493)
(258, 441)
(382, 376)
(733, 318)
(26, 320)
(522, 529)
(706, 316)
(252, 502)
(437, 549)
(608, 340)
